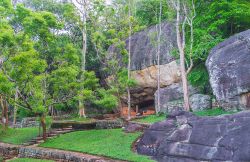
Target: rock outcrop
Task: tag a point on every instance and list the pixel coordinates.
(187, 138)
(200, 102)
(144, 61)
(229, 69)
(172, 97)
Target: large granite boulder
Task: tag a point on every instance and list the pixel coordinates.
(144, 61)
(187, 138)
(171, 97)
(200, 102)
(229, 69)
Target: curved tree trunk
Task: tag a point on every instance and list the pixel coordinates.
(181, 47)
(43, 124)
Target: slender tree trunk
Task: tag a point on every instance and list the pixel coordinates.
(5, 118)
(15, 107)
(43, 124)
(158, 62)
(181, 47)
(2, 107)
(83, 62)
(129, 63)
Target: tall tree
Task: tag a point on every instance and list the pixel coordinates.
(83, 10)
(129, 57)
(184, 15)
(159, 31)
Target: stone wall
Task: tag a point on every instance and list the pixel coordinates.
(8, 151)
(41, 153)
(100, 124)
(109, 124)
(27, 122)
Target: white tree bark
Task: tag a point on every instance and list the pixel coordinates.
(83, 11)
(129, 61)
(181, 22)
(158, 61)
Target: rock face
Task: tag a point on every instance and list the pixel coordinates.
(188, 138)
(229, 69)
(200, 102)
(172, 97)
(144, 60)
(144, 50)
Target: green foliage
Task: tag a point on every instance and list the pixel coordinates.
(113, 143)
(147, 12)
(199, 77)
(225, 17)
(106, 99)
(152, 119)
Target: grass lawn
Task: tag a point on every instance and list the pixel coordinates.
(113, 143)
(29, 160)
(18, 136)
(151, 119)
(213, 112)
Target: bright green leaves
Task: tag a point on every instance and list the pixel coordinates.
(225, 17)
(5, 8)
(25, 65)
(6, 87)
(6, 35)
(148, 12)
(106, 99)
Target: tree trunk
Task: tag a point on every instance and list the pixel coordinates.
(81, 109)
(15, 108)
(158, 62)
(5, 118)
(129, 104)
(43, 124)
(83, 62)
(129, 63)
(181, 48)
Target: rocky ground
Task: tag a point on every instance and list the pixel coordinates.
(188, 138)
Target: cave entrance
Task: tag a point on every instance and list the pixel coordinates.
(245, 100)
(140, 109)
(248, 100)
(147, 107)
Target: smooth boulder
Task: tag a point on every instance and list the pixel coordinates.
(200, 102)
(228, 65)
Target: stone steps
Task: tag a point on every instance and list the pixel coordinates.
(51, 134)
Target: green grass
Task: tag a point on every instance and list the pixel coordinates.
(113, 143)
(213, 112)
(151, 119)
(18, 136)
(29, 160)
